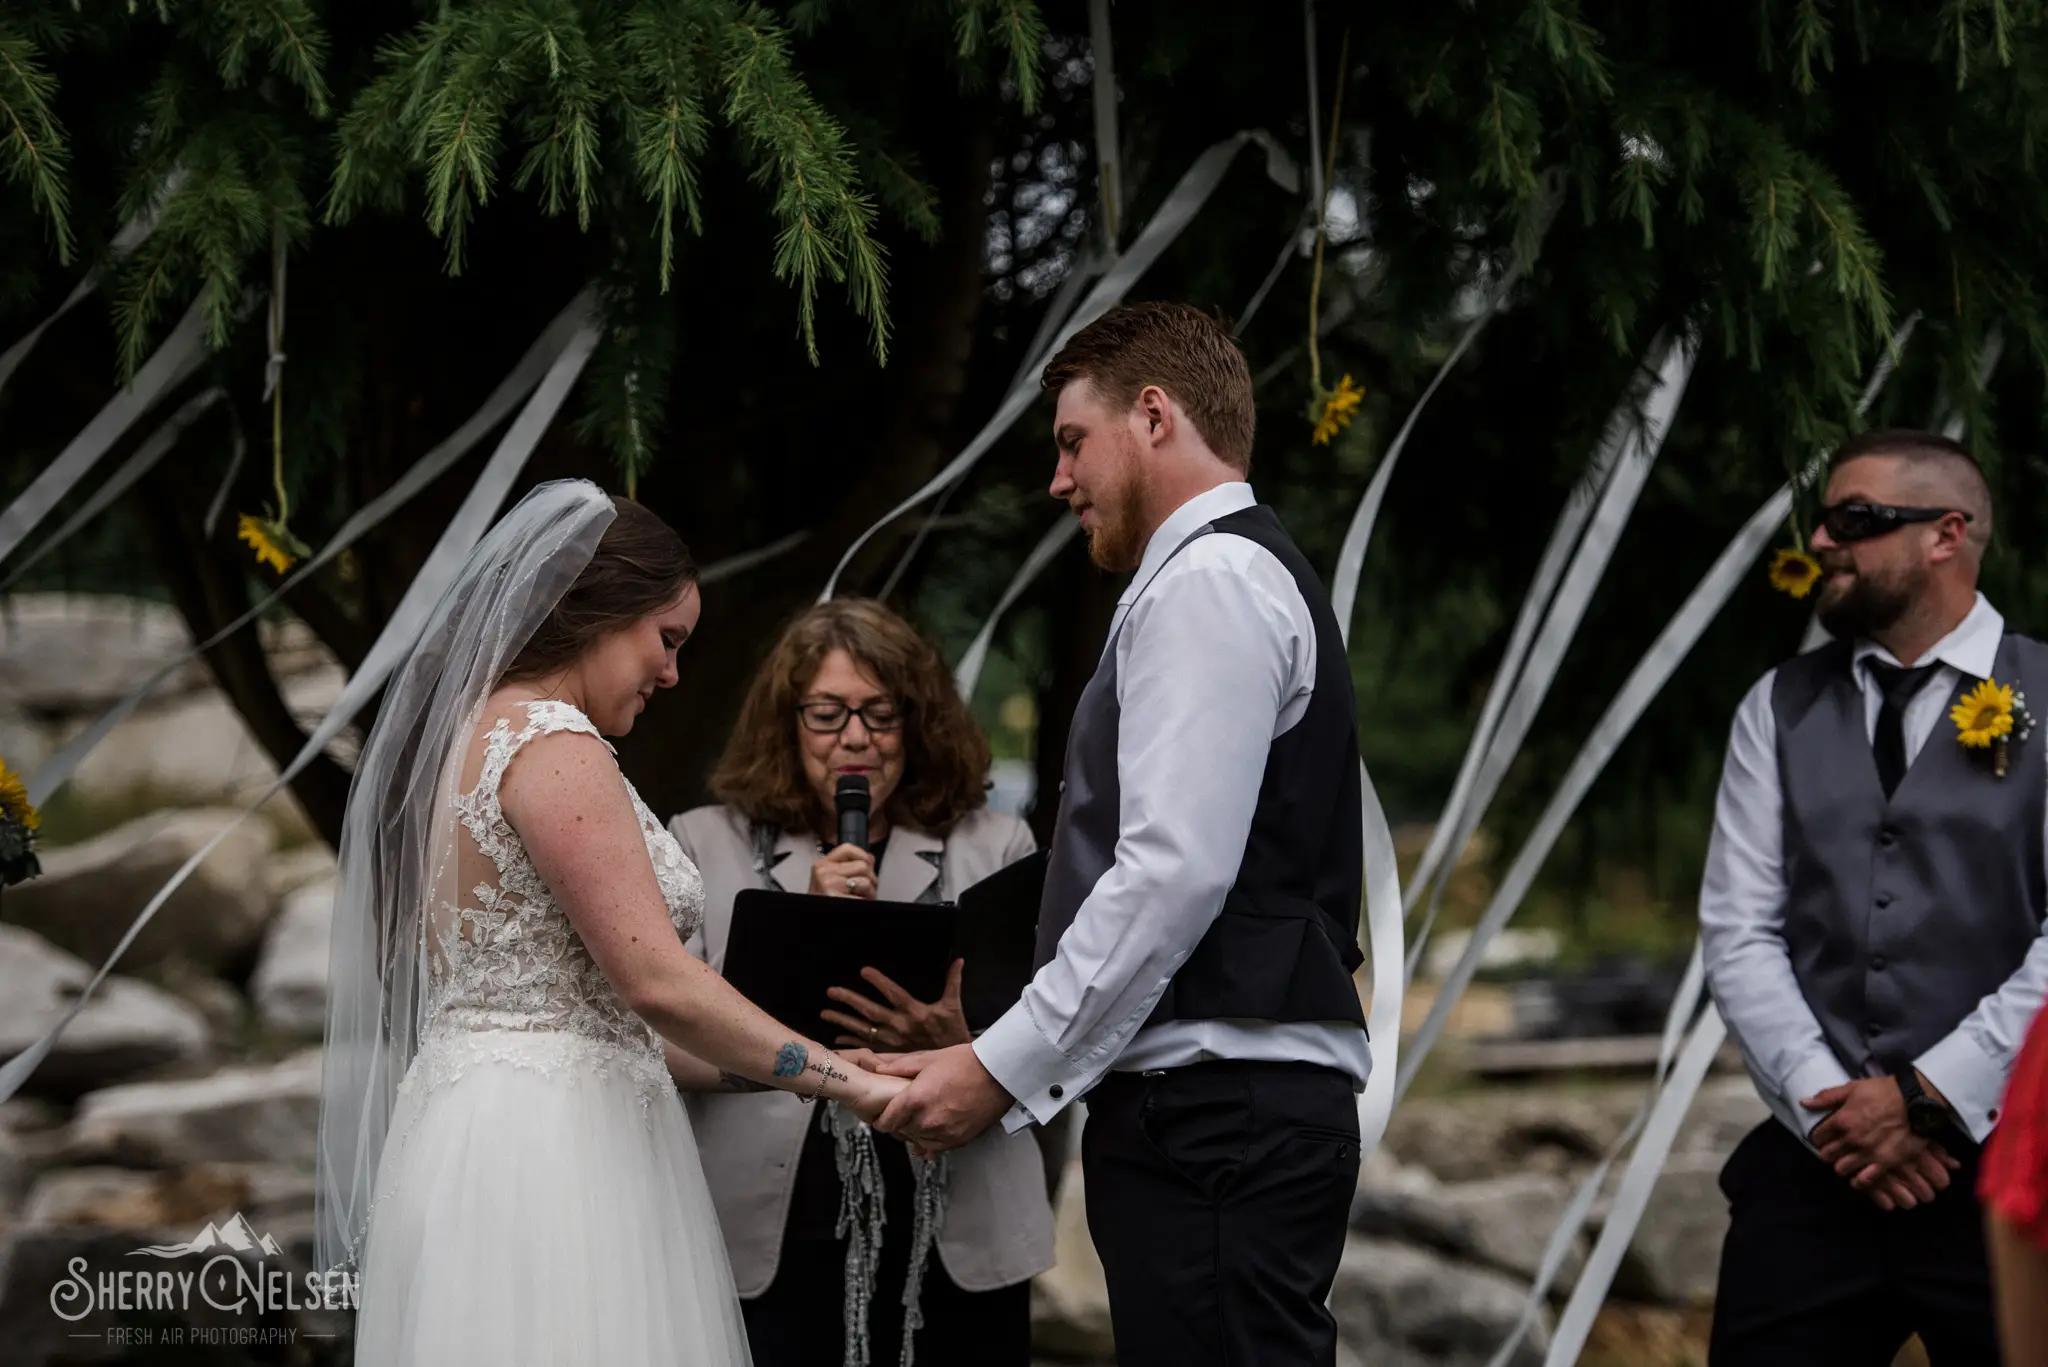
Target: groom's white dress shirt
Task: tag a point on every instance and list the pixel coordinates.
(1742, 909)
(1215, 657)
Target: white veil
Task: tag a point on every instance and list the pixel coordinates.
(398, 837)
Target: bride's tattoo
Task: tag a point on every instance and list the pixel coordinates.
(733, 1082)
(791, 1059)
(824, 1069)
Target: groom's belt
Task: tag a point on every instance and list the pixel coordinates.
(1119, 1088)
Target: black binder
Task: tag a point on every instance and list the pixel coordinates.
(786, 948)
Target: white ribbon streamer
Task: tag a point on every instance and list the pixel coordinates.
(539, 358)
(1649, 676)
(135, 467)
(1383, 943)
(1351, 556)
(968, 672)
(174, 361)
(1634, 1193)
(1639, 435)
(1684, 1006)
(479, 509)
(132, 235)
(1181, 205)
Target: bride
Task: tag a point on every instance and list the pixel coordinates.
(502, 1152)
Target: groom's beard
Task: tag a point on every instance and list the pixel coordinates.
(1868, 603)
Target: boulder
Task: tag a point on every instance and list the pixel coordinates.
(126, 1027)
(1070, 1301)
(1675, 1257)
(72, 652)
(91, 892)
(294, 868)
(124, 1198)
(1398, 1306)
(1477, 1135)
(290, 986)
(237, 1115)
(1510, 1220)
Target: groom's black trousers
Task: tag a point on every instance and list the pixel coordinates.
(1218, 1196)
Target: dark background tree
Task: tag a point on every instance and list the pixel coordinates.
(1791, 179)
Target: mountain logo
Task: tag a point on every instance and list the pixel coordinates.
(236, 1235)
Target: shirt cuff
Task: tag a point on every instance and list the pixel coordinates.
(1971, 1081)
(1030, 1067)
(1816, 1075)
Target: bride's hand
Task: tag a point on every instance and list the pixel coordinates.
(873, 1093)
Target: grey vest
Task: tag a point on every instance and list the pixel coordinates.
(1285, 944)
(1901, 915)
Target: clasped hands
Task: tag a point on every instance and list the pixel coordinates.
(1866, 1140)
(950, 1098)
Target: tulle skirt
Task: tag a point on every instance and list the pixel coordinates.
(540, 1203)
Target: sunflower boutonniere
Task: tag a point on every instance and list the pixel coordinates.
(1992, 716)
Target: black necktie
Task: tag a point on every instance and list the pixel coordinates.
(1899, 684)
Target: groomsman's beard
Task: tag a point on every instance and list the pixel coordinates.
(1867, 604)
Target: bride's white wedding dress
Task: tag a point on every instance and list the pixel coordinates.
(539, 1198)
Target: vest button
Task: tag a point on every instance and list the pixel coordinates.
(1877, 963)
(1884, 899)
(1055, 1091)
(1887, 837)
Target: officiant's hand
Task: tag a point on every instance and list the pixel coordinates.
(949, 1102)
(904, 1022)
(848, 871)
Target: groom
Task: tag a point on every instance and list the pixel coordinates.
(1198, 932)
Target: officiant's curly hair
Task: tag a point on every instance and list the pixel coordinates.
(638, 568)
(945, 755)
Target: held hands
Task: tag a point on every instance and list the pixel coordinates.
(871, 1092)
(848, 871)
(904, 1022)
(950, 1100)
(1866, 1140)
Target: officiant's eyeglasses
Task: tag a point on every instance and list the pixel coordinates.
(829, 718)
(1861, 521)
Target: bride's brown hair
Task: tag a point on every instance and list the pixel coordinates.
(639, 567)
(945, 756)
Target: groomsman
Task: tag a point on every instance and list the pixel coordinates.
(1872, 917)
(1199, 927)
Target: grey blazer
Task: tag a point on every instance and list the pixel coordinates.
(998, 1227)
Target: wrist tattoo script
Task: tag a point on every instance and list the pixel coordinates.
(826, 1072)
(791, 1059)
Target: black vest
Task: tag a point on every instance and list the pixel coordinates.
(1286, 943)
(1902, 913)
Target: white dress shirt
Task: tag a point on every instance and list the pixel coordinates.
(1742, 909)
(1215, 658)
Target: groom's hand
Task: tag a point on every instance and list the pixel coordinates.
(951, 1099)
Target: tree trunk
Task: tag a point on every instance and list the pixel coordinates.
(211, 590)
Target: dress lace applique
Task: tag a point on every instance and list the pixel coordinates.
(507, 959)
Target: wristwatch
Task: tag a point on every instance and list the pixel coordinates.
(1925, 1116)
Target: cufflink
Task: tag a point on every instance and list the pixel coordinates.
(1055, 1091)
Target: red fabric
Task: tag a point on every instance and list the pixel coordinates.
(2014, 1181)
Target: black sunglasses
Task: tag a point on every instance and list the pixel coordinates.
(1861, 521)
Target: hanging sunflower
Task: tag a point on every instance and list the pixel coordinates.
(19, 821)
(272, 541)
(1794, 572)
(1333, 409)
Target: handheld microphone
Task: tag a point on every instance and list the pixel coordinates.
(851, 799)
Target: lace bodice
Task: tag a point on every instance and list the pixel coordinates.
(506, 957)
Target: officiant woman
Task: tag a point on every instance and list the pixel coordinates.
(851, 688)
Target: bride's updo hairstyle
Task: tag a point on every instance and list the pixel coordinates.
(638, 569)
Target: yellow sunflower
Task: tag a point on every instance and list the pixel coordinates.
(271, 540)
(14, 803)
(1794, 572)
(1984, 715)
(1339, 407)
